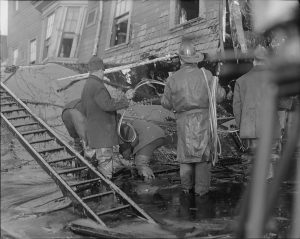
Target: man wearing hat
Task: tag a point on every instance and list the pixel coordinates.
(247, 100)
(186, 93)
(100, 110)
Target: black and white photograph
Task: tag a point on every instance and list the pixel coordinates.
(150, 119)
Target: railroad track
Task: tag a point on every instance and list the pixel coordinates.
(75, 176)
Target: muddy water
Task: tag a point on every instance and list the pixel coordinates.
(33, 207)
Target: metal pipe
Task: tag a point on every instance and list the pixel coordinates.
(118, 68)
(258, 191)
(296, 215)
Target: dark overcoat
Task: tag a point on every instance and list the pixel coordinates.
(100, 110)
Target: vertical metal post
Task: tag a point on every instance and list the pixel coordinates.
(255, 224)
(296, 207)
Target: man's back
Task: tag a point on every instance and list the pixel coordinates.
(248, 99)
(101, 124)
(188, 89)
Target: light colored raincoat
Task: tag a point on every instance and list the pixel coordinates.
(248, 98)
(186, 93)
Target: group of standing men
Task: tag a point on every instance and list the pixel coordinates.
(186, 94)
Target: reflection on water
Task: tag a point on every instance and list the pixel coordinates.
(171, 203)
(29, 203)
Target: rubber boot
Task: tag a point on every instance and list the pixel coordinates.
(142, 166)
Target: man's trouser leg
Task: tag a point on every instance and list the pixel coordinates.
(75, 124)
(248, 157)
(202, 177)
(187, 176)
(105, 163)
(252, 145)
(143, 157)
(79, 122)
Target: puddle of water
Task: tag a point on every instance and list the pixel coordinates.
(25, 190)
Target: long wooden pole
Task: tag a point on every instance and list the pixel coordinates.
(118, 68)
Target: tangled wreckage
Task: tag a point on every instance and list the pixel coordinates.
(32, 113)
(33, 96)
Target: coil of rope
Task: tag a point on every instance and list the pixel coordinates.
(217, 149)
(141, 83)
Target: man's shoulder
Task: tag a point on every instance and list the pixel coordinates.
(72, 104)
(93, 83)
(244, 78)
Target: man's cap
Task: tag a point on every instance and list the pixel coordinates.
(260, 53)
(95, 64)
(187, 52)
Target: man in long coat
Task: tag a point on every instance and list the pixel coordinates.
(100, 110)
(247, 101)
(186, 93)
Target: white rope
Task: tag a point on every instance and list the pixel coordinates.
(213, 117)
(141, 83)
(119, 130)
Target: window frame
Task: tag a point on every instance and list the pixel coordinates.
(60, 9)
(15, 58)
(47, 39)
(17, 5)
(74, 35)
(30, 51)
(95, 17)
(174, 14)
(52, 15)
(112, 24)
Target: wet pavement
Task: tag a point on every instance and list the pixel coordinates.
(32, 206)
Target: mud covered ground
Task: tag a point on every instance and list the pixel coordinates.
(32, 206)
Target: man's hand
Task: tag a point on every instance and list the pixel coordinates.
(130, 94)
(146, 172)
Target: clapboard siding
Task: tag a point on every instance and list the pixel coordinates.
(150, 31)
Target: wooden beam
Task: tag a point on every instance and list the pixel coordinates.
(237, 24)
(118, 68)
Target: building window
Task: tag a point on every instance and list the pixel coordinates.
(120, 26)
(91, 18)
(49, 29)
(15, 56)
(69, 37)
(182, 11)
(188, 10)
(17, 5)
(62, 30)
(32, 58)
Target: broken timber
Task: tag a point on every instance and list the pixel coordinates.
(118, 68)
(34, 134)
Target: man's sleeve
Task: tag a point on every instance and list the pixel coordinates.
(166, 98)
(220, 94)
(106, 103)
(237, 104)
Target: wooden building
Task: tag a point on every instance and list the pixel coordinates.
(120, 31)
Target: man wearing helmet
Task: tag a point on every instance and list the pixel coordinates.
(186, 93)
